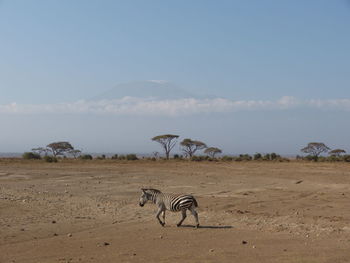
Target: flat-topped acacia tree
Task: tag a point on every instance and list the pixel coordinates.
(60, 148)
(315, 149)
(167, 141)
(189, 147)
(211, 151)
(337, 152)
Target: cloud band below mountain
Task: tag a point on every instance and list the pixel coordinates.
(176, 107)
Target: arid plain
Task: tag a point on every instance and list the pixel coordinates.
(87, 211)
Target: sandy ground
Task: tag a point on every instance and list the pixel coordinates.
(249, 212)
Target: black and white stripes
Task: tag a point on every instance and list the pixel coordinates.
(171, 202)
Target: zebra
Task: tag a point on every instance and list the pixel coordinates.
(171, 202)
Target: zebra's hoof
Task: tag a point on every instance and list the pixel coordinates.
(163, 224)
(178, 225)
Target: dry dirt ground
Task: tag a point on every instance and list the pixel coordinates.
(249, 212)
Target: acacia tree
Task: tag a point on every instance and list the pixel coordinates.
(189, 147)
(315, 149)
(211, 151)
(167, 141)
(60, 148)
(337, 152)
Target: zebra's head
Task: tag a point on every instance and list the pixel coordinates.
(147, 195)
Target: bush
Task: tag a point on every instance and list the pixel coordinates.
(86, 157)
(271, 157)
(274, 156)
(102, 157)
(131, 157)
(121, 157)
(267, 157)
(50, 159)
(200, 158)
(226, 158)
(346, 158)
(31, 155)
(176, 156)
(334, 158)
(114, 157)
(243, 157)
(311, 158)
(257, 156)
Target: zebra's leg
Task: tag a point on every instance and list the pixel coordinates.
(160, 210)
(163, 217)
(183, 212)
(195, 214)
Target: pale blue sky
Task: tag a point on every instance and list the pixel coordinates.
(64, 51)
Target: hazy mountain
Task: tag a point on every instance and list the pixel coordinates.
(146, 89)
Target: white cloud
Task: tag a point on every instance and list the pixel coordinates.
(159, 81)
(340, 104)
(149, 106)
(288, 102)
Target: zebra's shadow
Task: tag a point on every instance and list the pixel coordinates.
(208, 227)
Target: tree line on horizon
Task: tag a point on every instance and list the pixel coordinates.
(189, 147)
(56, 149)
(315, 149)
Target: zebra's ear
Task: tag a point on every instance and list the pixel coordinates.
(143, 190)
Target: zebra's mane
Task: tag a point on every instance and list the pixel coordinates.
(152, 190)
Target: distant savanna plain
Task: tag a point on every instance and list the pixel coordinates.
(62, 206)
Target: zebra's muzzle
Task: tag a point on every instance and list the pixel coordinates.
(141, 204)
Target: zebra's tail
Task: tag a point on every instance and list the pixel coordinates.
(195, 203)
